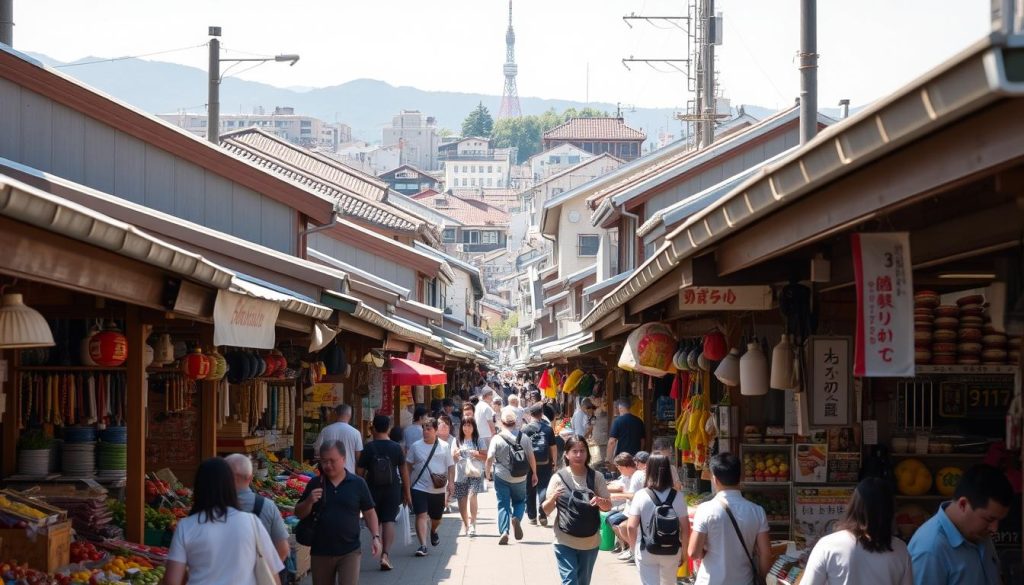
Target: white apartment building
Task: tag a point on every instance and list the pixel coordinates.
(415, 135)
(555, 160)
(471, 162)
(305, 131)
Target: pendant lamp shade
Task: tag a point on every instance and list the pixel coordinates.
(22, 326)
(753, 371)
(728, 370)
(782, 365)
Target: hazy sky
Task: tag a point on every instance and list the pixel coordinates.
(868, 48)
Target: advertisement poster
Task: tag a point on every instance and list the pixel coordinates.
(885, 305)
(843, 467)
(811, 463)
(817, 509)
(831, 378)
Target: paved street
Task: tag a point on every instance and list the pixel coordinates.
(479, 559)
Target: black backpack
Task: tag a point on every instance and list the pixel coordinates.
(662, 534)
(576, 517)
(539, 439)
(381, 471)
(518, 465)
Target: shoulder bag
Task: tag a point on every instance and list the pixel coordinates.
(743, 543)
(264, 574)
(306, 528)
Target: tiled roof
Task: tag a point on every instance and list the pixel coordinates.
(342, 175)
(295, 163)
(594, 129)
(470, 212)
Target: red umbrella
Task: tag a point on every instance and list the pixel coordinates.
(409, 373)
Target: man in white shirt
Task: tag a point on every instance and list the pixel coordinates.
(583, 419)
(484, 416)
(714, 540)
(344, 432)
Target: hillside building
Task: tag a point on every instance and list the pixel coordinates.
(415, 135)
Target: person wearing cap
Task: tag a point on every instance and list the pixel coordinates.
(510, 489)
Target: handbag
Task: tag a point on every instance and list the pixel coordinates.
(736, 528)
(306, 528)
(264, 574)
(473, 466)
(433, 476)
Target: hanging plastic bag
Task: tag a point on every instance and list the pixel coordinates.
(404, 526)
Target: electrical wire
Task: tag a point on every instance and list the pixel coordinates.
(129, 57)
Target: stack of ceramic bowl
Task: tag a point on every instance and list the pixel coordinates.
(1013, 350)
(924, 323)
(944, 339)
(78, 453)
(113, 452)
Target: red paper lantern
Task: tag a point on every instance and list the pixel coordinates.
(195, 365)
(715, 348)
(277, 363)
(108, 348)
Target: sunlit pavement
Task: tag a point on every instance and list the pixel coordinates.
(476, 560)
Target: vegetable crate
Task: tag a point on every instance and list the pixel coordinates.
(47, 550)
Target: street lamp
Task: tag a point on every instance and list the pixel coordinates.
(213, 107)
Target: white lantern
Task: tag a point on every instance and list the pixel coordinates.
(753, 371)
(728, 370)
(782, 365)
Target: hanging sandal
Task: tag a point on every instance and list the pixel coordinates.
(385, 562)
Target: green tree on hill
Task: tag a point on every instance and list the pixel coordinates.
(478, 123)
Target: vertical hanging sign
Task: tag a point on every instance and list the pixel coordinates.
(885, 305)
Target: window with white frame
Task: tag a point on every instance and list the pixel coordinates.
(587, 244)
(490, 237)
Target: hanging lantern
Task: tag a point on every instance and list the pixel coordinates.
(219, 367)
(259, 367)
(195, 365)
(715, 347)
(728, 370)
(649, 350)
(147, 355)
(782, 365)
(164, 351)
(281, 362)
(108, 348)
(84, 356)
(753, 371)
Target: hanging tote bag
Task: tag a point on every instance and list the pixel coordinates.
(404, 525)
(264, 574)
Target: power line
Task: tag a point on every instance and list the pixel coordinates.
(129, 57)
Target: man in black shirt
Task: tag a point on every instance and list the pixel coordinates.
(386, 491)
(545, 452)
(627, 432)
(340, 497)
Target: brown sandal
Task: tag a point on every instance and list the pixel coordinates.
(385, 564)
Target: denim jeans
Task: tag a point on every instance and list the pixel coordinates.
(511, 502)
(575, 566)
(538, 493)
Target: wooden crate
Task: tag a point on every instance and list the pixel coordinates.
(50, 550)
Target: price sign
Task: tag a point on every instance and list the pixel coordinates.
(976, 397)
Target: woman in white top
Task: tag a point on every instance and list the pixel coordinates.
(656, 569)
(217, 531)
(864, 550)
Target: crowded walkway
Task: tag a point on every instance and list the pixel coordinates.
(479, 559)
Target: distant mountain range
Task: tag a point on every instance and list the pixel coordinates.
(367, 105)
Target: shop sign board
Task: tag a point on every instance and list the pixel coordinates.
(726, 298)
(242, 321)
(885, 305)
(830, 380)
(816, 511)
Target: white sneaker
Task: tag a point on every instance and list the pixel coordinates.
(625, 555)
(472, 529)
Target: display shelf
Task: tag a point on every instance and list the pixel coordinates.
(71, 369)
(979, 369)
(764, 484)
(767, 446)
(924, 497)
(936, 455)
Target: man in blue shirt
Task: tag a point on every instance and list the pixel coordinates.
(955, 547)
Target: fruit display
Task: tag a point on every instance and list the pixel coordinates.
(12, 572)
(85, 552)
(766, 466)
(775, 503)
(912, 477)
(946, 480)
(909, 518)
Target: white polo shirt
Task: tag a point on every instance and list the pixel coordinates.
(348, 435)
(725, 562)
(484, 414)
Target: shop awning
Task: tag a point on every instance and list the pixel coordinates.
(973, 80)
(566, 346)
(409, 373)
(287, 299)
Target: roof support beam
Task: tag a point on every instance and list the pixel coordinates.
(665, 288)
(976, 145)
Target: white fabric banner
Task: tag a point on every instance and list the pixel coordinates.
(243, 321)
(885, 305)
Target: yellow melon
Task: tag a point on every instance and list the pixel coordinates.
(947, 479)
(912, 477)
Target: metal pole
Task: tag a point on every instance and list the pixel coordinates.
(7, 22)
(808, 70)
(708, 85)
(213, 101)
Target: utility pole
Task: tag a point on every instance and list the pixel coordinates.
(708, 75)
(213, 83)
(7, 22)
(808, 70)
(213, 89)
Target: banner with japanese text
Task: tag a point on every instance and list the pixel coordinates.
(831, 379)
(885, 305)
